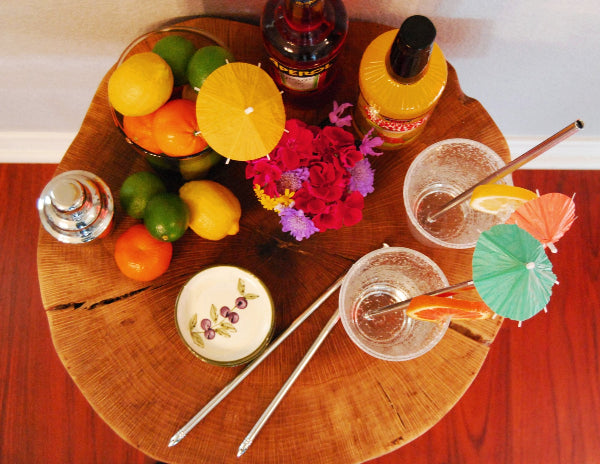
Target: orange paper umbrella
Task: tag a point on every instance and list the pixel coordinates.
(547, 217)
(240, 111)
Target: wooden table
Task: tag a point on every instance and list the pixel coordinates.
(118, 341)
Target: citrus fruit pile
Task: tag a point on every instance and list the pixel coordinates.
(143, 252)
(155, 93)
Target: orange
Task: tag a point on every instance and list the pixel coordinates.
(139, 131)
(435, 308)
(140, 256)
(175, 129)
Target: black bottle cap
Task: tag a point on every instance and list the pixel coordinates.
(412, 46)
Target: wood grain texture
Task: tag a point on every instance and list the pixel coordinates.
(535, 399)
(118, 342)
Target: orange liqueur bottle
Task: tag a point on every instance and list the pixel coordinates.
(303, 38)
(402, 76)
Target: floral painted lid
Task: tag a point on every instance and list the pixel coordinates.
(225, 315)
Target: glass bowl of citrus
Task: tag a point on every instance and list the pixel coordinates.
(152, 98)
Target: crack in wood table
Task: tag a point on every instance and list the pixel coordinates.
(118, 341)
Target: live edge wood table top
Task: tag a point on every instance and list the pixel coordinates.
(118, 341)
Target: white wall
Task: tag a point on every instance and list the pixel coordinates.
(534, 65)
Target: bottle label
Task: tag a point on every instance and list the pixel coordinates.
(301, 80)
(394, 130)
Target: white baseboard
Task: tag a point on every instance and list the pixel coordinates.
(577, 153)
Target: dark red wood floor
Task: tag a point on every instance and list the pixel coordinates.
(536, 399)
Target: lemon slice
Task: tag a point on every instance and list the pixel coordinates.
(497, 198)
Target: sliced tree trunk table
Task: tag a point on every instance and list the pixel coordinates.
(118, 341)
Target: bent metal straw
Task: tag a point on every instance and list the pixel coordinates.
(512, 166)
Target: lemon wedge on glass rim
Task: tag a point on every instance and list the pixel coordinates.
(499, 198)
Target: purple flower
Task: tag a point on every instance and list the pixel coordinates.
(368, 143)
(292, 180)
(296, 223)
(335, 118)
(362, 178)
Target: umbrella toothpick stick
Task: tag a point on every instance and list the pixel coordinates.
(446, 291)
(512, 166)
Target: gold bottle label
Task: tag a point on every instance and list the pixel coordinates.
(301, 80)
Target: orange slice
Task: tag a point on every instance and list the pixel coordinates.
(435, 308)
(497, 198)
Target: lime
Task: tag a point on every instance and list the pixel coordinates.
(166, 217)
(137, 190)
(140, 85)
(214, 210)
(176, 51)
(199, 166)
(204, 61)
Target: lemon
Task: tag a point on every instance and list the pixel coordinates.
(204, 61)
(497, 198)
(214, 210)
(140, 85)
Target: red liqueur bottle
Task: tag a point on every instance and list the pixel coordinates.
(303, 38)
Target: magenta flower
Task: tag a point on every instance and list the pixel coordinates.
(367, 144)
(335, 118)
(316, 178)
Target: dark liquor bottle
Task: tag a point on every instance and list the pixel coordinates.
(303, 38)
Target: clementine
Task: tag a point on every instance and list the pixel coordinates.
(140, 256)
(176, 130)
(139, 131)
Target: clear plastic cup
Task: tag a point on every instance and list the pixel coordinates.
(438, 174)
(383, 277)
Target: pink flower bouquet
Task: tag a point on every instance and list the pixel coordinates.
(315, 178)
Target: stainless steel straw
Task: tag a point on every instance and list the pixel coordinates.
(512, 166)
(369, 314)
(288, 384)
(243, 374)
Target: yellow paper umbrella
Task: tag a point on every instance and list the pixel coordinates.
(240, 111)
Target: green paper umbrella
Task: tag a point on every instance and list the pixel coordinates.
(511, 272)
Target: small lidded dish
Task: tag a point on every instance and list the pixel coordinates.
(225, 315)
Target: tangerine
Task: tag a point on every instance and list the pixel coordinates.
(175, 129)
(140, 256)
(139, 131)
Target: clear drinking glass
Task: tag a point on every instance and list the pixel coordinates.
(438, 174)
(383, 277)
